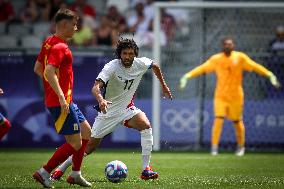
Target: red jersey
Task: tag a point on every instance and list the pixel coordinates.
(56, 52)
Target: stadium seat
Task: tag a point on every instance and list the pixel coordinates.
(2, 28)
(19, 29)
(8, 41)
(18, 5)
(31, 41)
(99, 6)
(41, 30)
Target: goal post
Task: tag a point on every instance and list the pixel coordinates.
(207, 44)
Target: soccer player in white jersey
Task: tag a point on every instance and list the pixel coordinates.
(120, 78)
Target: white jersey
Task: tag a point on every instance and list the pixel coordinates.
(121, 83)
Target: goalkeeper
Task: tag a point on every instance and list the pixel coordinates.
(228, 66)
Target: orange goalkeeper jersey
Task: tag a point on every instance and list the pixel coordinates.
(229, 74)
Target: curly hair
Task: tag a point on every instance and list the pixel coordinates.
(126, 44)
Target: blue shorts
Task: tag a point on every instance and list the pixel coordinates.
(67, 124)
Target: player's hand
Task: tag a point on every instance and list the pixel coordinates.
(1, 91)
(274, 81)
(183, 82)
(167, 92)
(64, 105)
(104, 105)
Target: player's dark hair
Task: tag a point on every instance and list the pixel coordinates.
(126, 44)
(64, 14)
(226, 39)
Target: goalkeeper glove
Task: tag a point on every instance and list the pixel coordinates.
(183, 82)
(273, 80)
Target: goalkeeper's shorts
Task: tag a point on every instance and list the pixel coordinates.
(231, 110)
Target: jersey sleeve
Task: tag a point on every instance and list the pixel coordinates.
(40, 57)
(146, 63)
(206, 67)
(106, 72)
(56, 56)
(250, 65)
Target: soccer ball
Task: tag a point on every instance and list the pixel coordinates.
(116, 171)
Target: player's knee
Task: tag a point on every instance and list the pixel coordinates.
(85, 130)
(76, 145)
(237, 122)
(219, 117)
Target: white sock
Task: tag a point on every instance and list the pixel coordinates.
(65, 164)
(145, 161)
(146, 143)
(75, 173)
(214, 147)
(43, 172)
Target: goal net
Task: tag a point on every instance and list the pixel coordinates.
(193, 33)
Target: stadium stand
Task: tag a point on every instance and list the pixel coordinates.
(19, 29)
(31, 41)
(41, 29)
(2, 28)
(122, 5)
(8, 41)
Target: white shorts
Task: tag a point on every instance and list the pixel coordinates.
(104, 124)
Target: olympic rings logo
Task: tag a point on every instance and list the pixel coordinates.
(183, 120)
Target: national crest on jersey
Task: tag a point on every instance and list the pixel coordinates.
(121, 83)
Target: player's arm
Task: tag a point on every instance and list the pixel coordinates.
(203, 68)
(96, 90)
(250, 65)
(38, 69)
(50, 74)
(1, 91)
(166, 90)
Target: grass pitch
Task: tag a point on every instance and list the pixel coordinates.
(176, 169)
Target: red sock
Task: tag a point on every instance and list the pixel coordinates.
(4, 128)
(61, 154)
(78, 156)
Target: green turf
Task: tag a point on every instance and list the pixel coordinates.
(177, 170)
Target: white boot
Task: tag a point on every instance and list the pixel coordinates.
(78, 179)
(42, 176)
(214, 150)
(240, 151)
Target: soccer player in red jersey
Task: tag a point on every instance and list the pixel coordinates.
(4, 122)
(54, 66)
